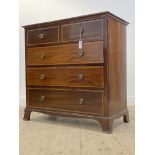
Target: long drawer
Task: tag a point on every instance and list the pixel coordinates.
(71, 100)
(84, 76)
(66, 54)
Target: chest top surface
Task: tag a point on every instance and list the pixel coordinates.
(74, 19)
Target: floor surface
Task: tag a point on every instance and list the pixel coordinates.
(43, 135)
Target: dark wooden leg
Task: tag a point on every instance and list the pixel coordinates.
(126, 117)
(27, 113)
(106, 125)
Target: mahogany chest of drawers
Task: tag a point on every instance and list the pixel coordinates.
(77, 68)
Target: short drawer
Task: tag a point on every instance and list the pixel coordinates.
(43, 35)
(66, 54)
(70, 100)
(88, 76)
(92, 29)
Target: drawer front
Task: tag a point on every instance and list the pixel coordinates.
(66, 54)
(89, 76)
(89, 30)
(80, 101)
(44, 35)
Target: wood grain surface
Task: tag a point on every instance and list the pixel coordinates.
(75, 101)
(92, 29)
(88, 76)
(50, 35)
(66, 54)
(117, 66)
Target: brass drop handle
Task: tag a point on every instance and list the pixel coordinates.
(80, 76)
(42, 56)
(81, 30)
(42, 76)
(81, 100)
(41, 36)
(42, 98)
(81, 52)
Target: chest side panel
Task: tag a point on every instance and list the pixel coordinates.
(117, 66)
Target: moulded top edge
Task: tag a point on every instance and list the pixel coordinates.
(77, 18)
